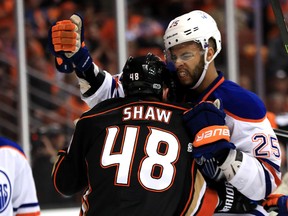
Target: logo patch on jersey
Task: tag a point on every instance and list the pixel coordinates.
(189, 147)
(5, 191)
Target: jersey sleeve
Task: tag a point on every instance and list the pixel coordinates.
(69, 174)
(259, 173)
(99, 86)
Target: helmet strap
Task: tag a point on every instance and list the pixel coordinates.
(200, 80)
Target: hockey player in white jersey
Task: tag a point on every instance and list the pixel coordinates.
(17, 188)
(253, 168)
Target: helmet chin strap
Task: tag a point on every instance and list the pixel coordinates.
(200, 80)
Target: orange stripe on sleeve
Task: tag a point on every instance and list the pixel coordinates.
(272, 171)
(29, 214)
(244, 119)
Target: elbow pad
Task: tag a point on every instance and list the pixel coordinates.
(90, 80)
(232, 164)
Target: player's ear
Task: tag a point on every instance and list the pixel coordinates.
(210, 53)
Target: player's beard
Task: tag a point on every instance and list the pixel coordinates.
(192, 76)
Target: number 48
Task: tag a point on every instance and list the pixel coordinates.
(152, 159)
(134, 76)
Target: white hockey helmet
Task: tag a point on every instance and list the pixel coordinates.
(195, 26)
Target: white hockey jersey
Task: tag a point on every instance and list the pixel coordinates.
(17, 188)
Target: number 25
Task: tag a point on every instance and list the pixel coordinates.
(263, 141)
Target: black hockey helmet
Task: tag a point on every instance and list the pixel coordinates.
(144, 76)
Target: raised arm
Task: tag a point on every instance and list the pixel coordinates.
(66, 44)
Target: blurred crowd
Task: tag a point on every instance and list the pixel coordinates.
(54, 96)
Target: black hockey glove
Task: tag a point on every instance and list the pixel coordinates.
(231, 200)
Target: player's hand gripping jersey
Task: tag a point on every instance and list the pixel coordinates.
(17, 189)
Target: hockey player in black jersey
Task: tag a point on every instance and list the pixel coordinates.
(129, 155)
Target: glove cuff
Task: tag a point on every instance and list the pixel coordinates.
(82, 59)
(63, 65)
(211, 134)
(212, 150)
(283, 205)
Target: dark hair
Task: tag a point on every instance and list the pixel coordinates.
(212, 43)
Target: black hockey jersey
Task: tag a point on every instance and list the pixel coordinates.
(130, 158)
